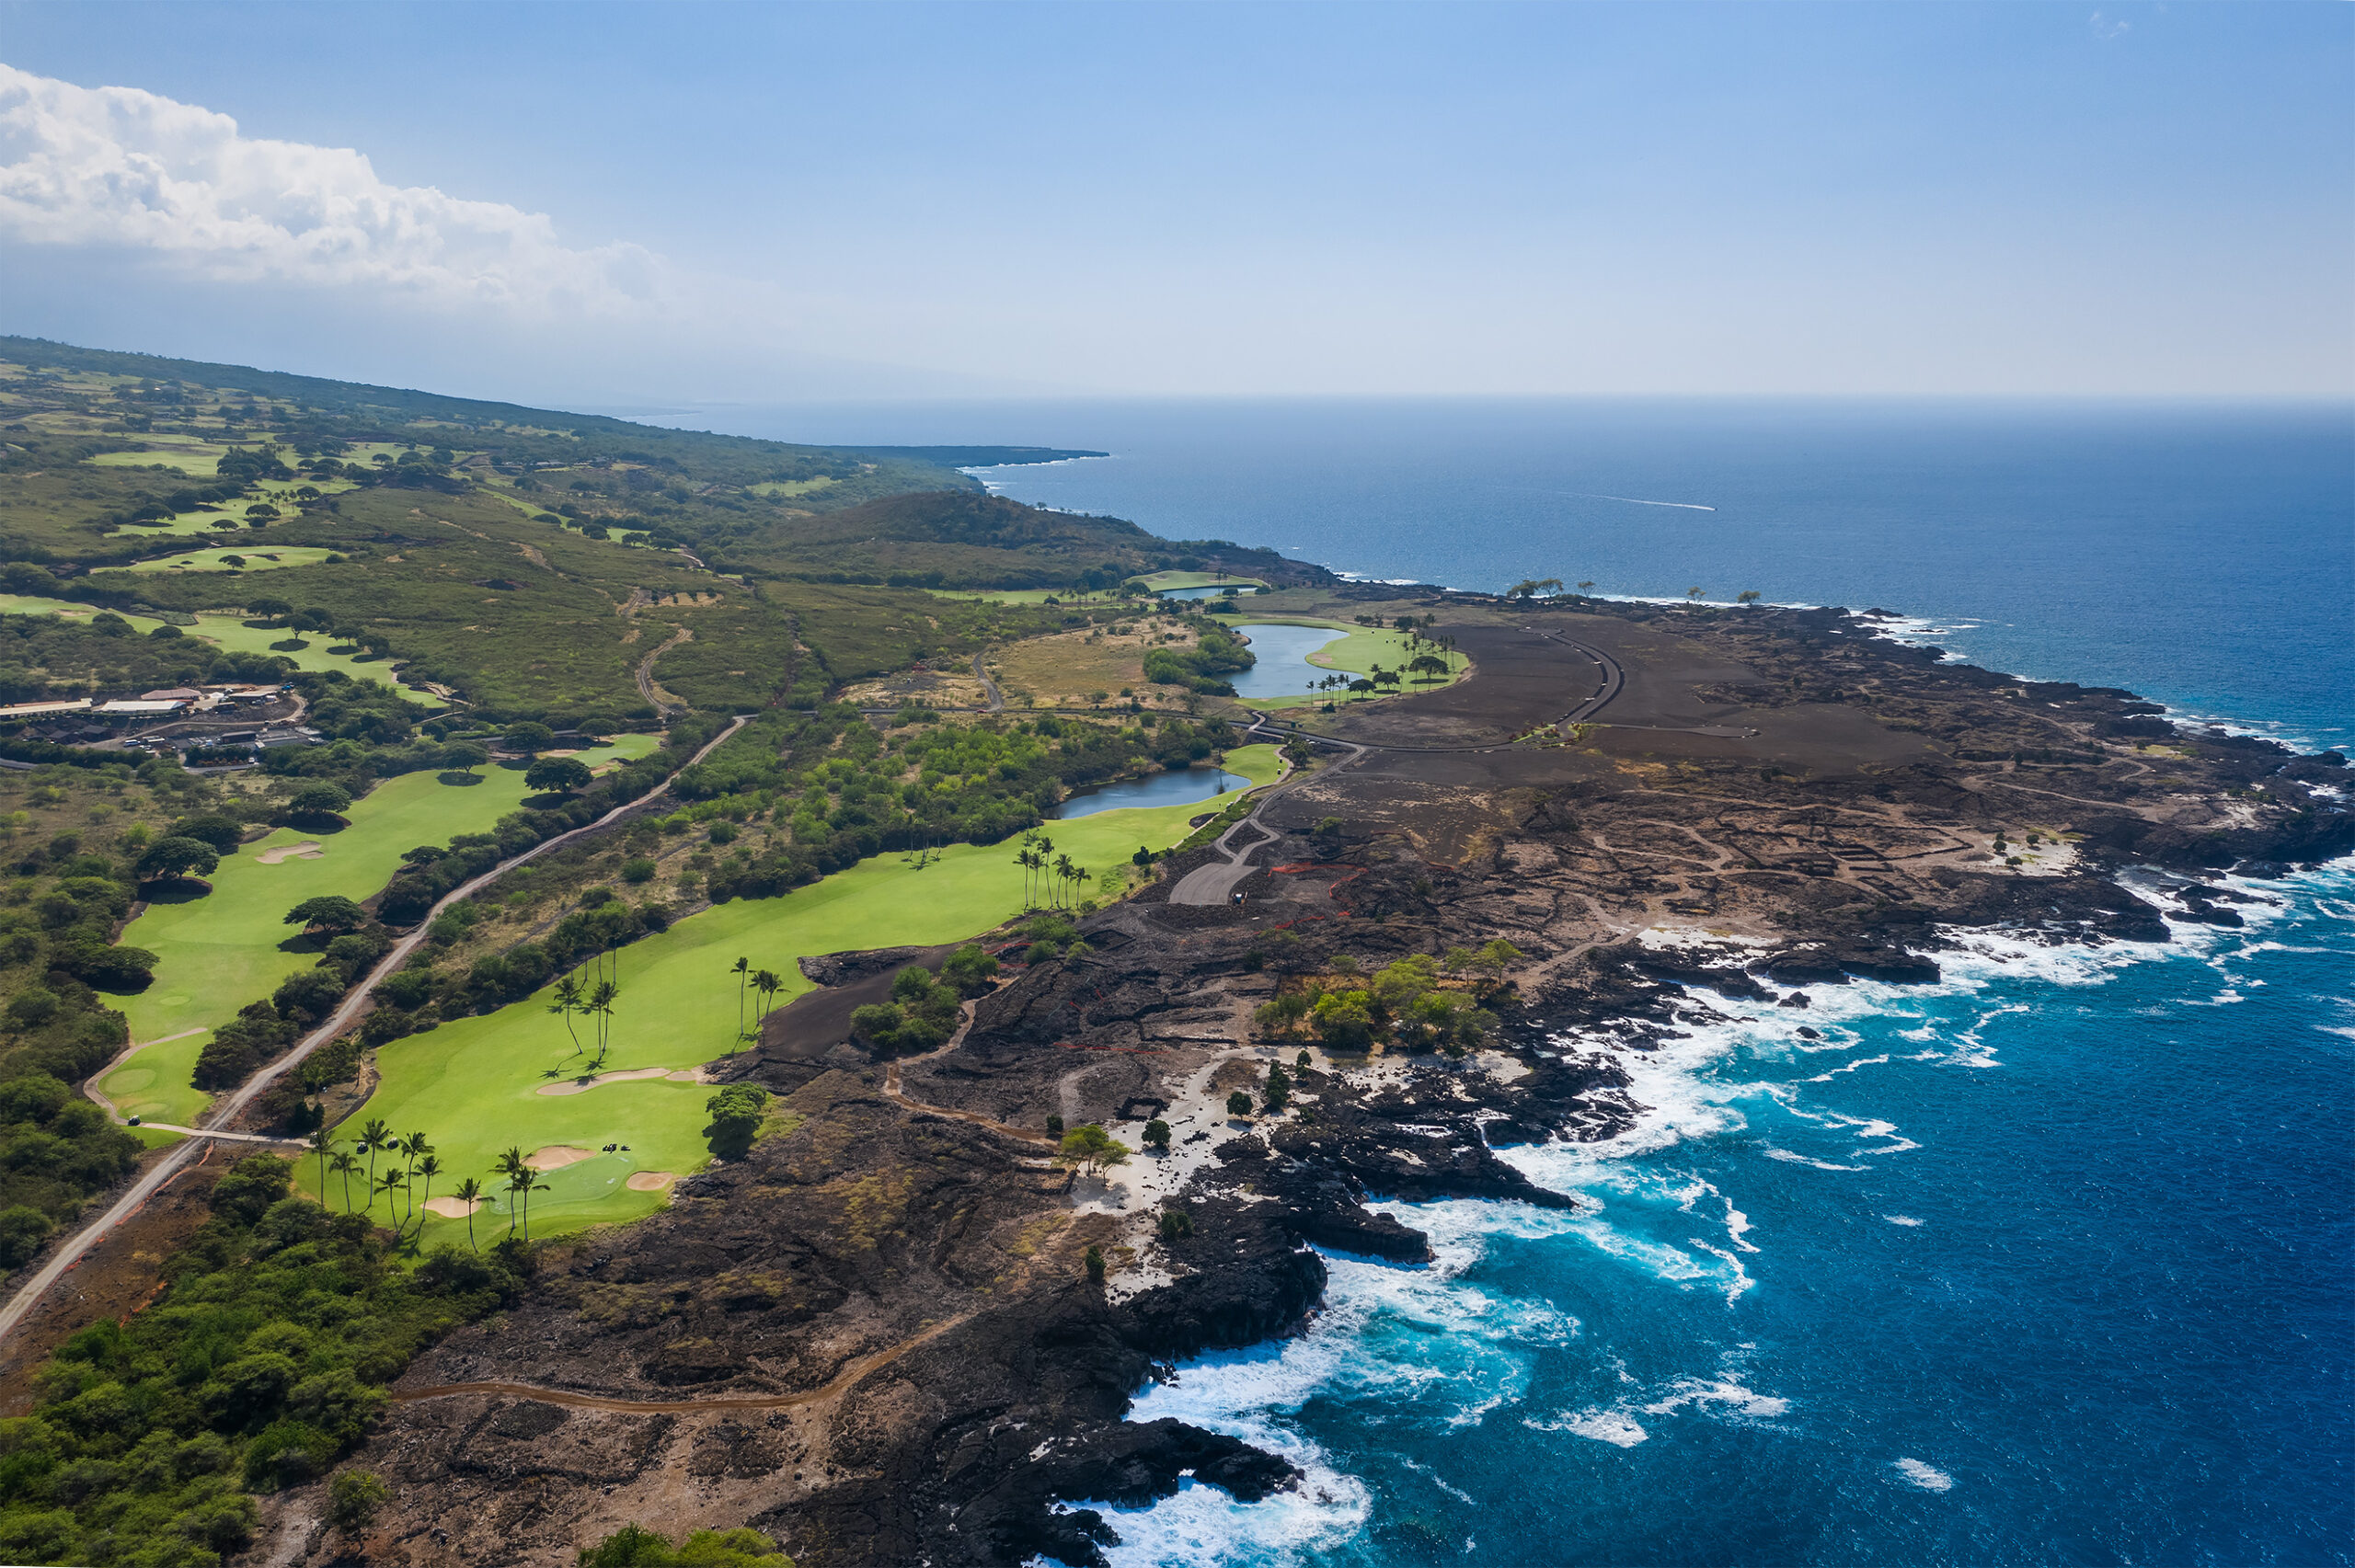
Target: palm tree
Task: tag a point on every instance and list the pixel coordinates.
(741, 969)
(429, 1168)
(1064, 871)
(412, 1148)
(564, 1001)
(601, 1007)
(511, 1165)
(767, 983)
(344, 1165)
(470, 1193)
(391, 1183)
(520, 1182)
(374, 1137)
(318, 1143)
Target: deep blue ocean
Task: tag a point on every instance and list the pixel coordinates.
(2047, 1263)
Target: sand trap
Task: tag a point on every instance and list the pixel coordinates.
(582, 1086)
(452, 1207)
(649, 1181)
(309, 849)
(555, 1156)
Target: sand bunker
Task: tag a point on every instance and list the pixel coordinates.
(556, 1156)
(452, 1208)
(309, 849)
(581, 1086)
(649, 1181)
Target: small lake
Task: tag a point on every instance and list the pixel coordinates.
(1177, 788)
(1283, 670)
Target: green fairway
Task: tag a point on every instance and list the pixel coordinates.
(229, 630)
(217, 952)
(247, 558)
(1159, 582)
(201, 459)
(475, 1086)
(1356, 653)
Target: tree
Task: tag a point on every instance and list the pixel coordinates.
(742, 970)
(388, 1183)
(599, 1006)
(511, 1165)
(470, 1194)
(1093, 1259)
(633, 1547)
(520, 1186)
(971, 970)
(562, 775)
(736, 1112)
(564, 1001)
(768, 983)
(1694, 592)
(321, 1147)
(1747, 596)
(1091, 1148)
(1156, 1136)
(1238, 1104)
(1176, 1225)
(177, 859)
(329, 912)
(428, 1167)
(344, 1165)
(529, 738)
(353, 1498)
(1278, 1087)
(372, 1138)
(465, 755)
(1429, 666)
(319, 799)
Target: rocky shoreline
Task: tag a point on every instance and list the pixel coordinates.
(882, 1320)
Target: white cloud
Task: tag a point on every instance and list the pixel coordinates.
(122, 169)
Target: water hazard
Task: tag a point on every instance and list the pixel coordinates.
(1154, 789)
(1283, 670)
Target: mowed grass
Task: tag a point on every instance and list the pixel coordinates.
(249, 559)
(202, 459)
(154, 1085)
(473, 1086)
(220, 952)
(1356, 653)
(230, 631)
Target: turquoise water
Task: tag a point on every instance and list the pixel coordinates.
(1282, 668)
(2047, 1263)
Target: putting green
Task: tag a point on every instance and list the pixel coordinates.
(249, 559)
(475, 1086)
(1355, 654)
(154, 1085)
(220, 952)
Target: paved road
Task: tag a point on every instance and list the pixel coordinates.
(997, 698)
(227, 1113)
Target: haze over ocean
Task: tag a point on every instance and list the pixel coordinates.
(2045, 1264)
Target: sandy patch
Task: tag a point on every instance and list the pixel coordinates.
(309, 849)
(649, 1181)
(582, 1086)
(452, 1208)
(556, 1156)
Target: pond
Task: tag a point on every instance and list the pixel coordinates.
(1154, 789)
(1283, 670)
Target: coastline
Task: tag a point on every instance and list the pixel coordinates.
(1416, 863)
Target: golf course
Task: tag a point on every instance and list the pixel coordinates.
(219, 952)
(229, 629)
(512, 1079)
(1355, 650)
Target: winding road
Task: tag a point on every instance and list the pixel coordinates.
(228, 1110)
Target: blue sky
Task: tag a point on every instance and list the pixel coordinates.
(610, 203)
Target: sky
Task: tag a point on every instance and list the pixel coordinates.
(617, 205)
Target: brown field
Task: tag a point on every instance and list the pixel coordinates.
(1069, 667)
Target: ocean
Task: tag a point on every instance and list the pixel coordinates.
(2046, 1264)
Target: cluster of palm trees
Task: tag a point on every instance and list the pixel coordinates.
(766, 983)
(1047, 874)
(592, 998)
(407, 1186)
